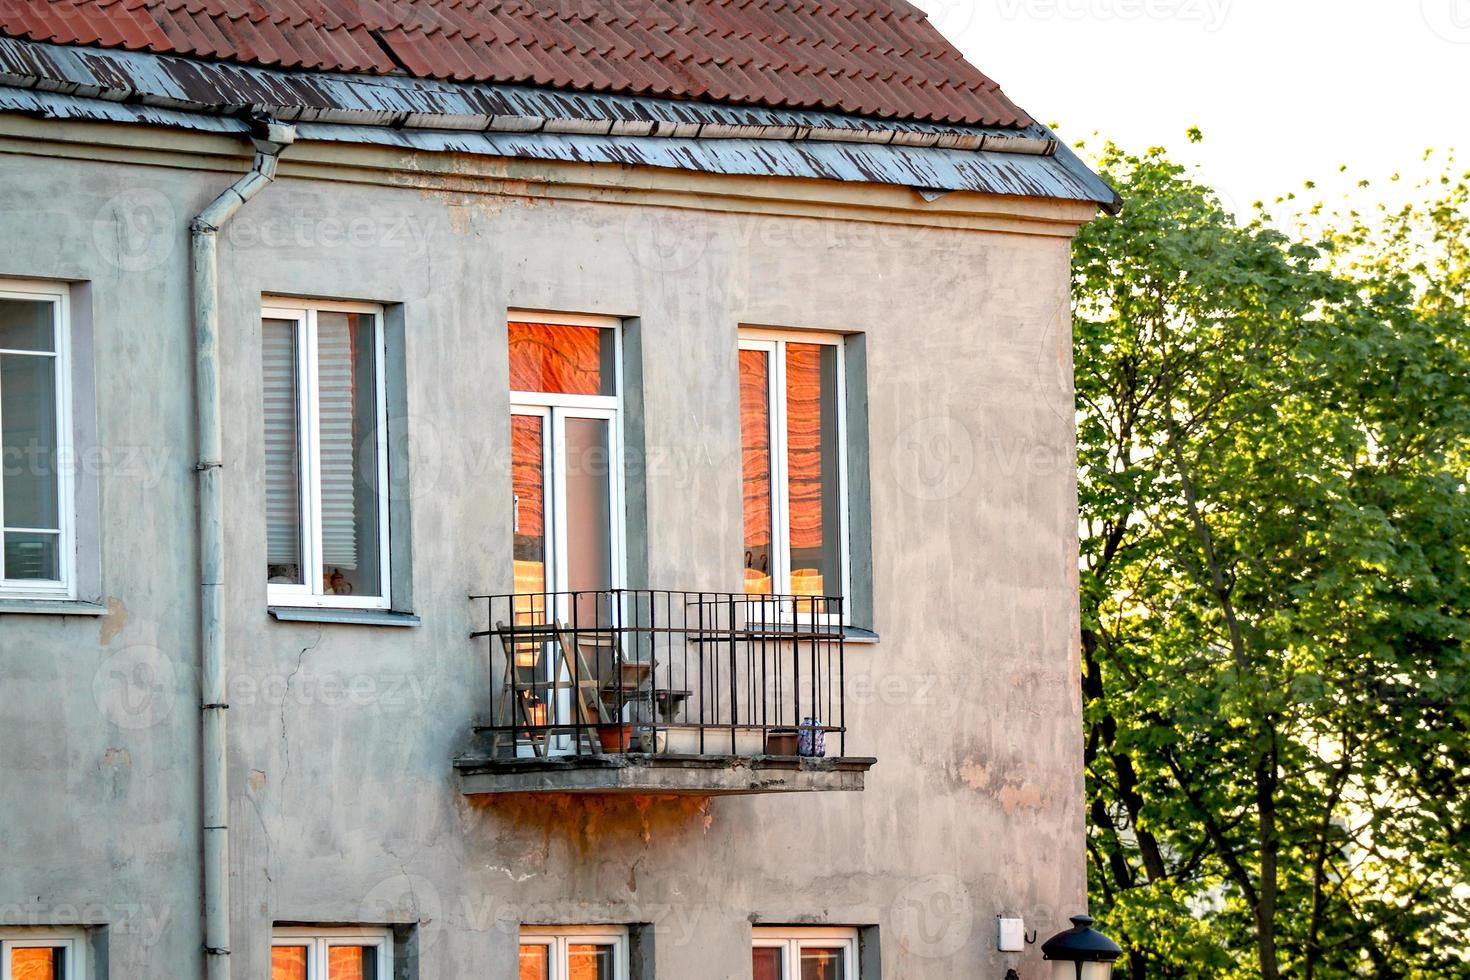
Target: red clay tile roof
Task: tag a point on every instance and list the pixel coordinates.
(868, 57)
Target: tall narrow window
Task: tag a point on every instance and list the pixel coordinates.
(36, 513)
(793, 464)
(336, 954)
(573, 953)
(326, 467)
(804, 954)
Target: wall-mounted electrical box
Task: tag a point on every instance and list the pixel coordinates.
(1012, 935)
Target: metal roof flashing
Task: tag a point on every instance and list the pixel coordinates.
(65, 82)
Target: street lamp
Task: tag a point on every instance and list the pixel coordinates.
(1081, 952)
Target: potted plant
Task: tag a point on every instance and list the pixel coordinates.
(616, 737)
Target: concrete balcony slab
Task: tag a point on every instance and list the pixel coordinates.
(663, 774)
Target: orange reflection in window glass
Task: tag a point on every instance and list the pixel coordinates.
(755, 445)
(766, 962)
(535, 962)
(590, 962)
(35, 964)
(823, 964)
(527, 478)
(811, 467)
(552, 357)
(288, 963)
(351, 963)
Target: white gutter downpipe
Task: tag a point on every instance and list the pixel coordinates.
(269, 139)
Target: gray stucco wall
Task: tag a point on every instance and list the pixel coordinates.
(346, 808)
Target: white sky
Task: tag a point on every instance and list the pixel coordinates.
(1284, 90)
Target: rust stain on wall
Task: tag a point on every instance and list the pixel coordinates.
(588, 820)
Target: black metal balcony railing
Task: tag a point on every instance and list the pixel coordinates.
(652, 671)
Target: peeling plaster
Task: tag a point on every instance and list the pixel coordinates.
(113, 623)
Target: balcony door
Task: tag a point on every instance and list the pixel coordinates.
(566, 477)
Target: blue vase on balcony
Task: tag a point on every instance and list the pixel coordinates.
(812, 741)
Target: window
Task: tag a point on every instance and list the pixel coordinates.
(574, 953)
(37, 559)
(326, 455)
(49, 958)
(566, 453)
(793, 452)
(338, 954)
(804, 954)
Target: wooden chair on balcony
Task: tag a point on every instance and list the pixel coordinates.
(526, 688)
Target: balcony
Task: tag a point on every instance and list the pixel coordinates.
(659, 692)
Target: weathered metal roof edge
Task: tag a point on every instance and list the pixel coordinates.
(60, 81)
(1105, 194)
(929, 169)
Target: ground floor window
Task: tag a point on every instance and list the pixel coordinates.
(331, 954)
(804, 954)
(38, 958)
(573, 953)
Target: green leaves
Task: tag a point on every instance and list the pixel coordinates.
(1274, 440)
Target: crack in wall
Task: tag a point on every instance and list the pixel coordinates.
(285, 701)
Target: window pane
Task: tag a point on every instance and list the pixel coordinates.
(590, 962)
(28, 450)
(33, 557)
(288, 963)
(755, 454)
(352, 963)
(38, 963)
(282, 453)
(347, 379)
(823, 964)
(589, 507)
(551, 357)
(528, 483)
(812, 463)
(26, 324)
(767, 962)
(535, 963)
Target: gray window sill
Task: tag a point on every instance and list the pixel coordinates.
(853, 634)
(50, 607)
(346, 617)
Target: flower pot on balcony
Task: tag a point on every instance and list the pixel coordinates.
(782, 741)
(615, 738)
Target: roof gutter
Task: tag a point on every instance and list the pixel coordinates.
(270, 139)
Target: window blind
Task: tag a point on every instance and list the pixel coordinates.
(282, 466)
(337, 439)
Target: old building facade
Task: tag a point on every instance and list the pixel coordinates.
(531, 521)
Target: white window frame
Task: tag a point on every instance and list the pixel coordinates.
(773, 343)
(559, 940)
(793, 941)
(319, 942)
(65, 588)
(69, 940)
(554, 408)
(308, 419)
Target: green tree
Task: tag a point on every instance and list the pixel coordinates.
(1273, 442)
